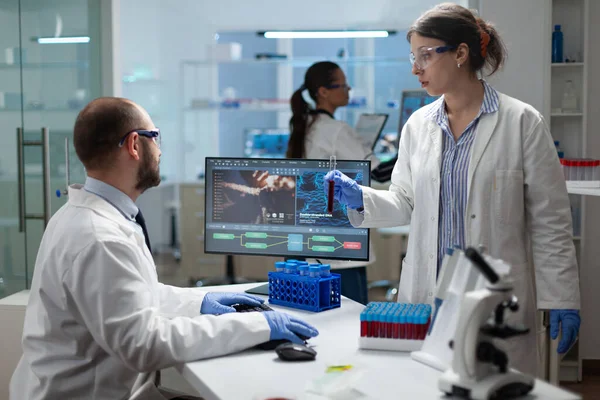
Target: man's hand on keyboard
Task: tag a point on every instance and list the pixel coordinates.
(284, 326)
(220, 303)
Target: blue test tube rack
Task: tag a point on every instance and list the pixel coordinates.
(305, 292)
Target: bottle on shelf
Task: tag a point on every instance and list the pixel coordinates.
(557, 45)
(569, 99)
(559, 151)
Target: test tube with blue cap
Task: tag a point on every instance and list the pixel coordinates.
(303, 270)
(280, 266)
(290, 268)
(325, 270)
(314, 272)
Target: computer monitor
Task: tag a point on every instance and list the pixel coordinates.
(385, 147)
(411, 101)
(369, 127)
(386, 144)
(266, 143)
(278, 207)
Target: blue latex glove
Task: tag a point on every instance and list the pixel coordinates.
(569, 321)
(284, 326)
(219, 303)
(346, 190)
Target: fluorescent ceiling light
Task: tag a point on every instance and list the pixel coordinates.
(63, 40)
(325, 34)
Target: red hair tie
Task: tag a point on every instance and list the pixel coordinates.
(484, 41)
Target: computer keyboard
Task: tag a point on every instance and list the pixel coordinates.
(271, 344)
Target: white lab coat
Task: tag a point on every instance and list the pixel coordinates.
(98, 317)
(329, 137)
(517, 207)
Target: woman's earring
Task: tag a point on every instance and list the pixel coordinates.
(458, 65)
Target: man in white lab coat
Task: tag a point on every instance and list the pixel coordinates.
(97, 317)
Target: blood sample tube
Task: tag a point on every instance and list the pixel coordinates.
(363, 323)
(376, 316)
(410, 322)
(396, 329)
(403, 330)
(332, 166)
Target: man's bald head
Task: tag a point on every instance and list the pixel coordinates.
(100, 126)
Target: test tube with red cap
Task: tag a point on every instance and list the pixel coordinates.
(332, 167)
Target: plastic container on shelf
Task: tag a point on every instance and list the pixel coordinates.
(569, 102)
(559, 151)
(557, 45)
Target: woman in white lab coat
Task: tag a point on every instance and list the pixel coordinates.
(316, 134)
(476, 167)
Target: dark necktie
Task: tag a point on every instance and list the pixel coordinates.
(139, 218)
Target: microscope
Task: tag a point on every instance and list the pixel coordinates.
(479, 369)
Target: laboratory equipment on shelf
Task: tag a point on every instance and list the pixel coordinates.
(569, 103)
(557, 45)
(559, 150)
(584, 171)
(480, 369)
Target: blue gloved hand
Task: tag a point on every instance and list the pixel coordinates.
(569, 321)
(284, 326)
(346, 190)
(219, 303)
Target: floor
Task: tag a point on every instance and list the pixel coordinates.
(589, 388)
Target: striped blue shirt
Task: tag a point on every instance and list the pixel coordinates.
(456, 155)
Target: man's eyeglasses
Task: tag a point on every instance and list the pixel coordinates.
(154, 135)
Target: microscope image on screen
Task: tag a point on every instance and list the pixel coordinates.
(311, 203)
(267, 199)
(278, 207)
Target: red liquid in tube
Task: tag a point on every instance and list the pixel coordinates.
(330, 198)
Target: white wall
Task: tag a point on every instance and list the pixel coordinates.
(523, 27)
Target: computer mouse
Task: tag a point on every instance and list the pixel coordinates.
(295, 352)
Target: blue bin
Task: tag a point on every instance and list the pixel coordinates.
(305, 292)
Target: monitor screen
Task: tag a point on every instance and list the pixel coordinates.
(412, 100)
(369, 126)
(386, 146)
(266, 143)
(278, 207)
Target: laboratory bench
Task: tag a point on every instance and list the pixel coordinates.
(257, 374)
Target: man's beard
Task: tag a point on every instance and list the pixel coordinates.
(148, 176)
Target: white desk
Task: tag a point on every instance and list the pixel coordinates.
(388, 375)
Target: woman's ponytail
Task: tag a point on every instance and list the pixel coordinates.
(298, 124)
